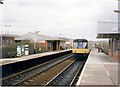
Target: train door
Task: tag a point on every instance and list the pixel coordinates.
(54, 45)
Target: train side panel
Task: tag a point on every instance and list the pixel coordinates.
(80, 50)
(80, 54)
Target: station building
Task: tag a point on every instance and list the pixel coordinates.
(111, 31)
(43, 43)
(31, 43)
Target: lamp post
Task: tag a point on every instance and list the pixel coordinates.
(37, 31)
(8, 27)
(35, 39)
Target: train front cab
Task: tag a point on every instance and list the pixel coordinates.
(81, 55)
(80, 49)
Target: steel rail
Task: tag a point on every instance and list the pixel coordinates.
(68, 75)
(23, 73)
(60, 73)
(46, 68)
(79, 70)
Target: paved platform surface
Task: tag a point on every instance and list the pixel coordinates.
(99, 70)
(4, 61)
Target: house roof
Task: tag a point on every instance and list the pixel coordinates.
(108, 30)
(108, 35)
(8, 35)
(36, 37)
(65, 39)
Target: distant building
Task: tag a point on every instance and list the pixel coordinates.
(65, 43)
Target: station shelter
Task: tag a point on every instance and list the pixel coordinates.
(7, 45)
(56, 43)
(41, 43)
(110, 30)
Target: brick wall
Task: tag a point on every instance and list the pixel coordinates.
(117, 56)
(110, 53)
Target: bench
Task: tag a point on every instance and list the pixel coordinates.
(12, 54)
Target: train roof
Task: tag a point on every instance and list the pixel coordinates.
(81, 40)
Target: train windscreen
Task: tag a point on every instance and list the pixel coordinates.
(80, 45)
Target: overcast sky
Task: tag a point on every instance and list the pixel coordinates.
(70, 18)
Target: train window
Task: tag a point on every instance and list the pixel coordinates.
(75, 45)
(84, 44)
(80, 45)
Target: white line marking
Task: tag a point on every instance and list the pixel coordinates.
(108, 73)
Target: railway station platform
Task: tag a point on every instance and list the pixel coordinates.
(99, 70)
(5, 61)
(10, 66)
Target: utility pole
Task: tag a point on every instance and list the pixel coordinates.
(35, 39)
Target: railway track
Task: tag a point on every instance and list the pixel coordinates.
(68, 76)
(24, 75)
(43, 78)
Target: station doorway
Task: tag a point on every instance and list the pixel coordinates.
(54, 45)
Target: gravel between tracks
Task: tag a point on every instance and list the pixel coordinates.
(43, 78)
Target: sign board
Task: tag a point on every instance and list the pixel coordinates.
(42, 41)
(18, 51)
(22, 50)
(26, 49)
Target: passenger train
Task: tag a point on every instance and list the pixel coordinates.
(80, 49)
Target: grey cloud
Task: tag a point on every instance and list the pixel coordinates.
(67, 17)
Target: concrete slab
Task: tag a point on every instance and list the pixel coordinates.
(113, 72)
(33, 56)
(99, 70)
(96, 76)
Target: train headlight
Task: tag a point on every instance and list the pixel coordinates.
(74, 51)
